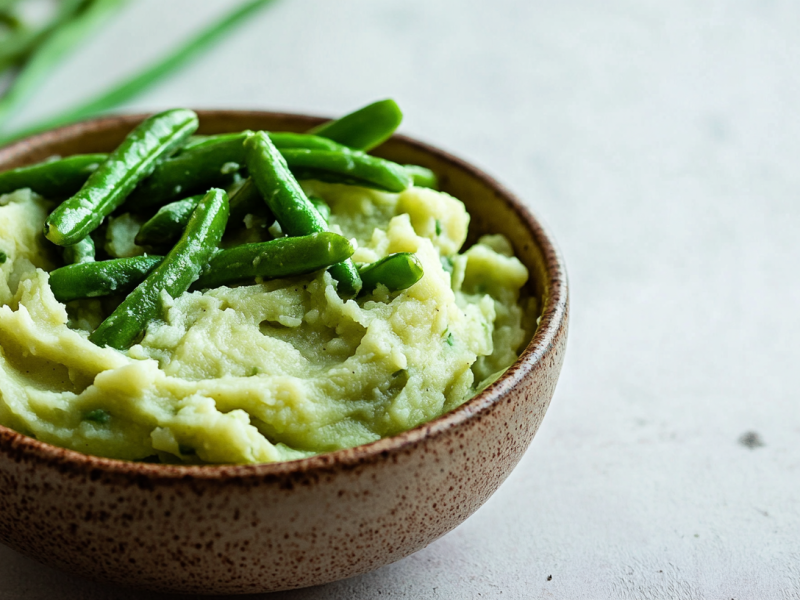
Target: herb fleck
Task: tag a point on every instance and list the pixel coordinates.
(97, 416)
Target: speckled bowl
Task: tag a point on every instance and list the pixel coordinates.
(244, 529)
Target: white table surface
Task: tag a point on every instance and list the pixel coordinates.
(660, 139)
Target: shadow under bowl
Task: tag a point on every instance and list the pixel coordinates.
(258, 528)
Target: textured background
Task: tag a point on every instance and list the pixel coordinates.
(660, 140)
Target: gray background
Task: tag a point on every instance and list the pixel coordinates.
(660, 141)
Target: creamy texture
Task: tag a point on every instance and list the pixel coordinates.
(264, 372)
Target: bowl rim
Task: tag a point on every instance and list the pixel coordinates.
(553, 321)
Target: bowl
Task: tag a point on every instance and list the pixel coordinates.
(257, 528)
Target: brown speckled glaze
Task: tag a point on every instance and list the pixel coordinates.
(257, 528)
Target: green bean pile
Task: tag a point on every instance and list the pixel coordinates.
(179, 185)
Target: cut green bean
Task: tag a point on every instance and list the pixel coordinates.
(179, 269)
(285, 141)
(114, 179)
(354, 168)
(397, 272)
(168, 223)
(154, 73)
(52, 51)
(422, 177)
(364, 128)
(55, 178)
(212, 162)
(170, 220)
(281, 140)
(197, 140)
(284, 257)
(279, 188)
(82, 252)
(287, 201)
(103, 278)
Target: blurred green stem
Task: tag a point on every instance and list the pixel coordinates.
(149, 76)
(51, 51)
(17, 46)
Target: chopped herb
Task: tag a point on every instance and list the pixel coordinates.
(447, 263)
(438, 227)
(450, 339)
(3, 257)
(97, 416)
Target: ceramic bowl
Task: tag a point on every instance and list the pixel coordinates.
(258, 528)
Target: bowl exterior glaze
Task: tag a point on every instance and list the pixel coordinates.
(258, 528)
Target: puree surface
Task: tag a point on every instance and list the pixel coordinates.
(266, 372)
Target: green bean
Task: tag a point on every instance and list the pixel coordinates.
(179, 269)
(170, 220)
(51, 51)
(365, 128)
(82, 252)
(210, 162)
(248, 201)
(195, 171)
(103, 278)
(168, 223)
(397, 272)
(281, 140)
(195, 141)
(109, 185)
(354, 168)
(285, 198)
(54, 178)
(285, 140)
(422, 177)
(152, 74)
(284, 257)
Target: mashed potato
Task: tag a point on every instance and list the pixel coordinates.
(265, 372)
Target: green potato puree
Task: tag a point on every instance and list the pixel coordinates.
(270, 371)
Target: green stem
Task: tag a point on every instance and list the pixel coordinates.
(19, 45)
(50, 52)
(149, 76)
